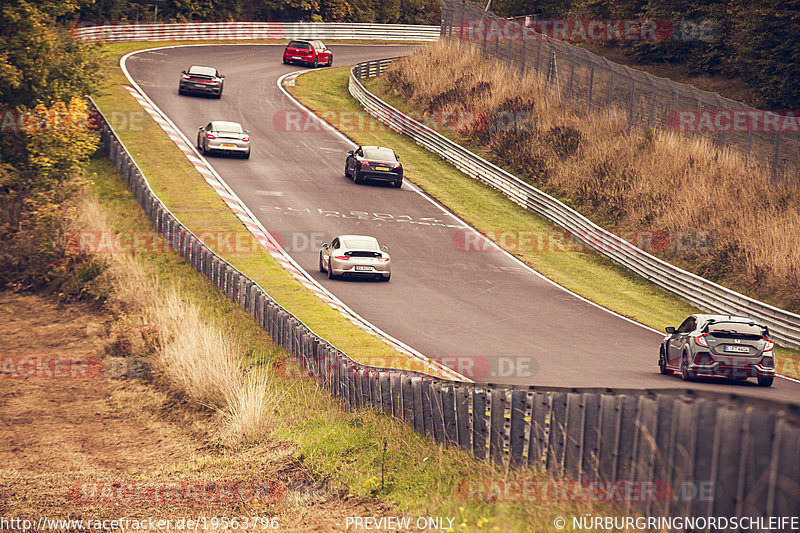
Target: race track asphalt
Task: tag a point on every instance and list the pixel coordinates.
(482, 313)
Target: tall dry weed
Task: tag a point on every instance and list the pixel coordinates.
(724, 221)
(196, 358)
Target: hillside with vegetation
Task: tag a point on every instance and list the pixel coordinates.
(755, 40)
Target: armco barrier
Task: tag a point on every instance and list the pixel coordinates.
(784, 326)
(740, 449)
(203, 31)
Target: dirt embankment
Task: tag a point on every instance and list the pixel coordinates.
(82, 443)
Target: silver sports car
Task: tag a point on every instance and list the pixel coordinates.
(228, 137)
(202, 80)
(355, 255)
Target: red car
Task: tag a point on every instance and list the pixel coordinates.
(312, 53)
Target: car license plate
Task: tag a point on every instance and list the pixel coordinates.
(381, 168)
(737, 349)
(228, 145)
(296, 57)
(360, 268)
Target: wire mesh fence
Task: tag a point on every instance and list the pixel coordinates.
(763, 138)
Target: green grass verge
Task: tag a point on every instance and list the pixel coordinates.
(488, 210)
(196, 205)
(420, 478)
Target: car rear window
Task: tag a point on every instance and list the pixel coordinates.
(736, 329)
(300, 44)
(381, 154)
(203, 71)
(360, 244)
(230, 127)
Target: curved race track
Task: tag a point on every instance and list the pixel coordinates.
(461, 307)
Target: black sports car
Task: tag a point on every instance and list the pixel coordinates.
(374, 163)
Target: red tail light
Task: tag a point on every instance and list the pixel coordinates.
(769, 345)
(703, 359)
(398, 165)
(342, 257)
(384, 259)
(365, 163)
(246, 139)
(701, 340)
(210, 136)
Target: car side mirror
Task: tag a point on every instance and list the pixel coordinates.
(398, 157)
(670, 330)
(183, 72)
(324, 245)
(384, 248)
(200, 128)
(349, 152)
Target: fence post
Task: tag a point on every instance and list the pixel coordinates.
(397, 394)
(633, 97)
(610, 87)
(448, 408)
(538, 53)
(591, 437)
(519, 429)
(571, 73)
(463, 402)
(755, 462)
(558, 420)
(540, 430)
(497, 430)
(573, 434)
(652, 102)
(479, 425)
(788, 472)
(776, 156)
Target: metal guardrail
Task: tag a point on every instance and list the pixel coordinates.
(197, 31)
(742, 458)
(784, 326)
(586, 79)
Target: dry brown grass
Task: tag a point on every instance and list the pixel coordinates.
(649, 181)
(196, 359)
